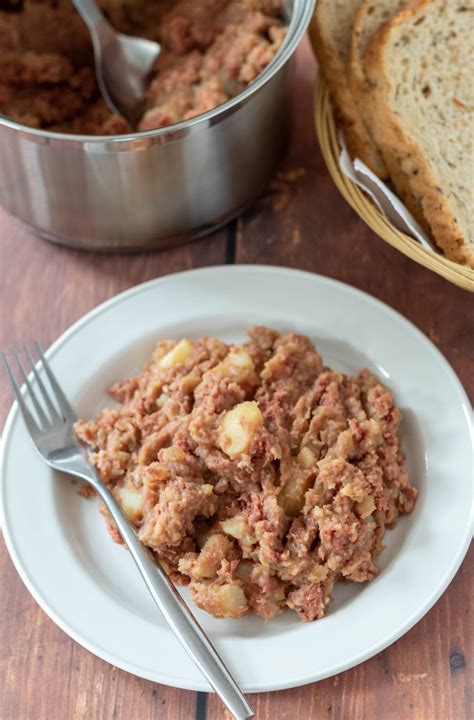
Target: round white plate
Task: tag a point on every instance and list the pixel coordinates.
(89, 586)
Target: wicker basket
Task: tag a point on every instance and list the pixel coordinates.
(327, 136)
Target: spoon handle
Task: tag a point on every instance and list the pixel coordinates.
(90, 13)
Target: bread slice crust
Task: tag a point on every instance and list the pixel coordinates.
(370, 16)
(334, 67)
(425, 179)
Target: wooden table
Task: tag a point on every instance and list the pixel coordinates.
(301, 222)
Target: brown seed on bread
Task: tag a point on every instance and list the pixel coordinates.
(420, 66)
(331, 30)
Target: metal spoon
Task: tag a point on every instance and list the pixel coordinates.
(122, 62)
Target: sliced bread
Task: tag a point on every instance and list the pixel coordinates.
(331, 30)
(420, 66)
(369, 18)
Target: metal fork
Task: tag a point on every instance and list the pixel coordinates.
(52, 432)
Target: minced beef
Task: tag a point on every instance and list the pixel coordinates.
(211, 50)
(256, 475)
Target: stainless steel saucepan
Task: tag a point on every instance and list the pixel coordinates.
(155, 188)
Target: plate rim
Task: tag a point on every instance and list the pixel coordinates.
(262, 686)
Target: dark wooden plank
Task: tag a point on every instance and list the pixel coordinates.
(44, 288)
(303, 222)
(43, 673)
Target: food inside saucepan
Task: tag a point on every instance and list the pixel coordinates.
(211, 50)
(257, 476)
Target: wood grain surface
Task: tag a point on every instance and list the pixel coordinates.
(301, 221)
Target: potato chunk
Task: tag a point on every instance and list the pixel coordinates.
(238, 427)
(238, 358)
(130, 500)
(365, 507)
(307, 458)
(237, 527)
(172, 454)
(318, 574)
(292, 497)
(244, 569)
(182, 351)
(300, 478)
(225, 601)
(211, 556)
(236, 362)
(231, 601)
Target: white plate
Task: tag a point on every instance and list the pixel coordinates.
(88, 585)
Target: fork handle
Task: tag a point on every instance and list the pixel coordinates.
(177, 614)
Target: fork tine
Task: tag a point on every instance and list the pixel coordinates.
(53, 413)
(27, 417)
(39, 410)
(62, 400)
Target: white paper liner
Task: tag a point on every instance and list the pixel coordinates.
(385, 200)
